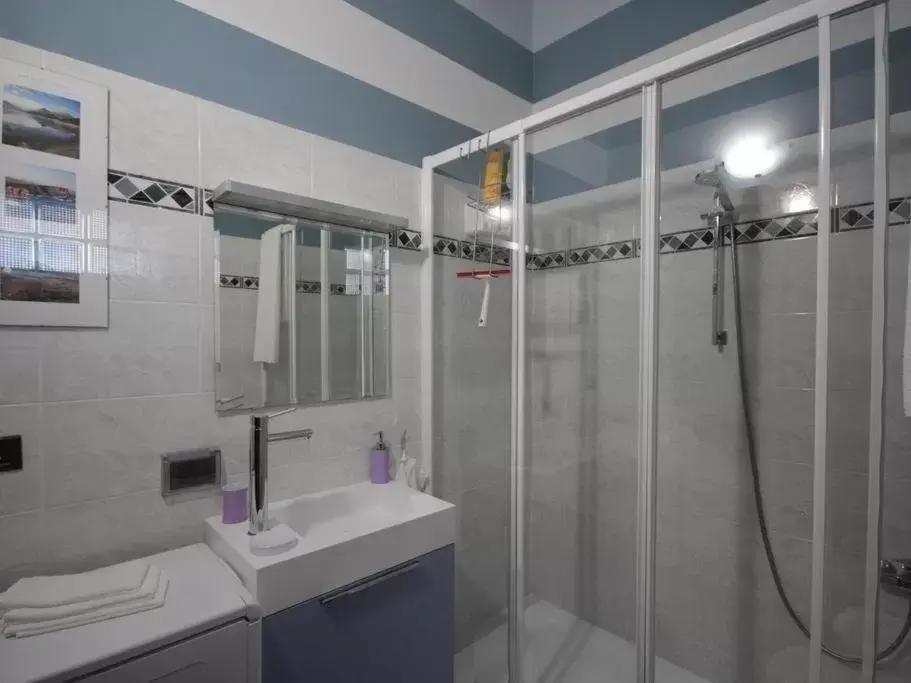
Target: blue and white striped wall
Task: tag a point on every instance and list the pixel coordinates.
(407, 78)
(399, 79)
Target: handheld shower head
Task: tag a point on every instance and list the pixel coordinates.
(713, 178)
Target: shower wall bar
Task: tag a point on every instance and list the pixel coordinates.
(647, 83)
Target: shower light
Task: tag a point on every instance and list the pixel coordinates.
(500, 212)
(751, 157)
(797, 198)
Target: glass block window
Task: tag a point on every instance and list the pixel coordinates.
(49, 236)
(353, 259)
(59, 220)
(17, 252)
(61, 256)
(96, 225)
(98, 259)
(18, 216)
(353, 282)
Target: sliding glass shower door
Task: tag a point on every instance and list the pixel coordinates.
(583, 217)
(687, 459)
(737, 300)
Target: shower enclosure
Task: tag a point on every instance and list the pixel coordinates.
(679, 444)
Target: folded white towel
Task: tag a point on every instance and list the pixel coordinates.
(102, 614)
(30, 615)
(53, 591)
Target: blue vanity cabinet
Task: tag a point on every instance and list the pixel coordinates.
(395, 626)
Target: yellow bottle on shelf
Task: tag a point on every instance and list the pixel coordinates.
(494, 177)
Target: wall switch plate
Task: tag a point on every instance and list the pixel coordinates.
(10, 453)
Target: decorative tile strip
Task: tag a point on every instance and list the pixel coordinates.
(792, 225)
(547, 261)
(686, 240)
(138, 189)
(229, 281)
(612, 251)
(446, 246)
(208, 208)
(308, 287)
(860, 216)
(900, 211)
(134, 188)
(406, 239)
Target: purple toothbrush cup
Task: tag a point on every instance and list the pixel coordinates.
(234, 503)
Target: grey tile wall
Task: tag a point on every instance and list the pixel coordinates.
(471, 448)
(718, 611)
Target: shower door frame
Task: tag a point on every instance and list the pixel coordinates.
(647, 82)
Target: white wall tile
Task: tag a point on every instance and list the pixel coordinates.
(20, 371)
(150, 348)
(96, 449)
(153, 130)
(154, 254)
(79, 537)
(237, 146)
(21, 491)
(20, 52)
(347, 175)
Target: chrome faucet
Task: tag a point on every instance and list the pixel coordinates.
(260, 438)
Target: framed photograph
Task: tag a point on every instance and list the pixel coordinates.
(53, 199)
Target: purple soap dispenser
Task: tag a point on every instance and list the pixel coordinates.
(379, 462)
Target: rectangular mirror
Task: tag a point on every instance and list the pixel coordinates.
(302, 314)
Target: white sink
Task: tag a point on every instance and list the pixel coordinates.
(344, 534)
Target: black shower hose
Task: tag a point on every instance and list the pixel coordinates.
(757, 489)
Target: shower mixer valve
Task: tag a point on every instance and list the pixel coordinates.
(895, 577)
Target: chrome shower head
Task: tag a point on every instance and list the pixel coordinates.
(713, 178)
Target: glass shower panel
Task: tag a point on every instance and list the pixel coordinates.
(309, 319)
(582, 406)
(345, 316)
(895, 603)
(850, 300)
(738, 152)
(472, 406)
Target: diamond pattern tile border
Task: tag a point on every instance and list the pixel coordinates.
(134, 188)
(612, 251)
(793, 225)
(406, 239)
(860, 216)
(164, 194)
(229, 281)
(546, 261)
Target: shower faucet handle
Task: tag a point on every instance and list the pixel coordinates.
(895, 576)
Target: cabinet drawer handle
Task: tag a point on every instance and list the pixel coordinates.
(369, 583)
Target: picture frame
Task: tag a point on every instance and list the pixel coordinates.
(53, 199)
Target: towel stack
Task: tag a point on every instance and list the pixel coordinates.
(51, 603)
